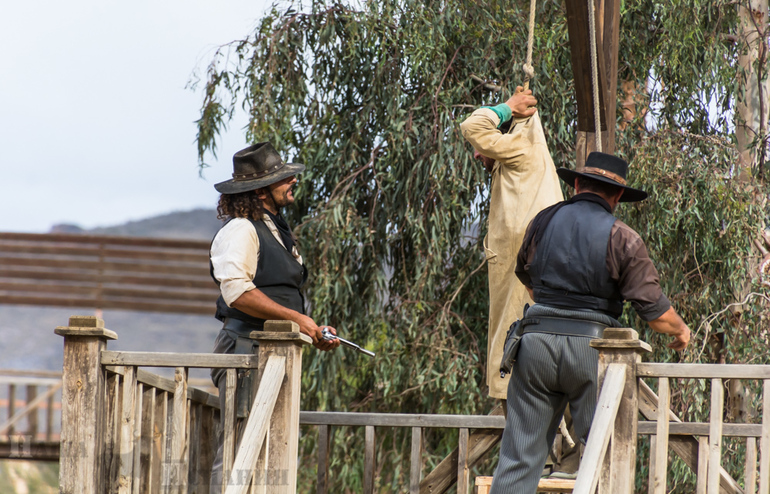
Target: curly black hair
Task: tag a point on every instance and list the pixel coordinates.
(242, 205)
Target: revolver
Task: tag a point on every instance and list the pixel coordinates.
(328, 336)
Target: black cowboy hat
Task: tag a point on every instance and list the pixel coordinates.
(604, 168)
(255, 167)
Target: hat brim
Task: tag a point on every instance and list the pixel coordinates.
(629, 193)
(233, 186)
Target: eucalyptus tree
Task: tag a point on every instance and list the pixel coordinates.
(391, 209)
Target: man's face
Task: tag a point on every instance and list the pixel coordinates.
(282, 193)
(487, 162)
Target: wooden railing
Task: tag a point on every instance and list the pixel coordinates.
(103, 272)
(126, 430)
(624, 394)
(30, 426)
(463, 461)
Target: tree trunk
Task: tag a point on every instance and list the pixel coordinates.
(753, 86)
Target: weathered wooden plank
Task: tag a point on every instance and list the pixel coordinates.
(704, 371)
(700, 429)
(402, 420)
(750, 470)
(369, 456)
(101, 266)
(703, 465)
(764, 445)
(208, 447)
(21, 381)
(159, 443)
(604, 423)
(463, 471)
(122, 279)
(555, 485)
(147, 436)
(652, 474)
(322, 484)
(228, 453)
(415, 461)
(178, 307)
(179, 450)
(104, 239)
(137, 440)
(114, 396)
(69, 290)
(165, 359)
(715, 435)
(194, 441)
(661, 439)
(198, 256)
(257, 423)
(125, 470)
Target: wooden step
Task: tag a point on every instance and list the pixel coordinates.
(483, 484)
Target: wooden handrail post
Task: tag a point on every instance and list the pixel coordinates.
(279, 475)
(82, 409)
(622, 345)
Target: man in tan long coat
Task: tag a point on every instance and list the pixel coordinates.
(524, 182)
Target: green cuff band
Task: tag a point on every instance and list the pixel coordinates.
(503, 111)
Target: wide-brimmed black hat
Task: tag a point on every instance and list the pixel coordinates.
(604, 168)
(255, 167)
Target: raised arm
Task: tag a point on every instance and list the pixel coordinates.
(481, 128)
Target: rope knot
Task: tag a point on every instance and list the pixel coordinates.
(529, 70)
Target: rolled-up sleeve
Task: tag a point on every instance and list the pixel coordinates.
(234, 257)
(638, 280)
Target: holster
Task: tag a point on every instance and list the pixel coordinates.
(244, 391)
(512, 342)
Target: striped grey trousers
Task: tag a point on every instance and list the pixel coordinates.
(551, 371)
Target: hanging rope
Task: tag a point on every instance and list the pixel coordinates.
(595, 75)
(529, 70)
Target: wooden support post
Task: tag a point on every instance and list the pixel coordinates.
(83, 397)
(607, 34)
(283, 339)
(622, 345)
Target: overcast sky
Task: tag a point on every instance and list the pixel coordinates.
(96, 126)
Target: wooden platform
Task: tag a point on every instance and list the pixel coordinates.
(483, 484)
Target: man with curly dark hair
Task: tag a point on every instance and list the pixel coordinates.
(255, 262)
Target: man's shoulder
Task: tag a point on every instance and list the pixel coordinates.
(237, 227)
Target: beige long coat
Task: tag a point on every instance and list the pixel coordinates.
(524, 181)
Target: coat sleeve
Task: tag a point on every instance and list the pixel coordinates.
(480, 130)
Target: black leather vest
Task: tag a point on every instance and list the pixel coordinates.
(570, 265)
(279, 276)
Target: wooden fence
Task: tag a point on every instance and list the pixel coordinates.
(102, 272)
(30, 407)
(126, 430)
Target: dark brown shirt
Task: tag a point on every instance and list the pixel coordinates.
(628, 263)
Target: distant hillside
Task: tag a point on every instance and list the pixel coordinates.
(198, 224)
